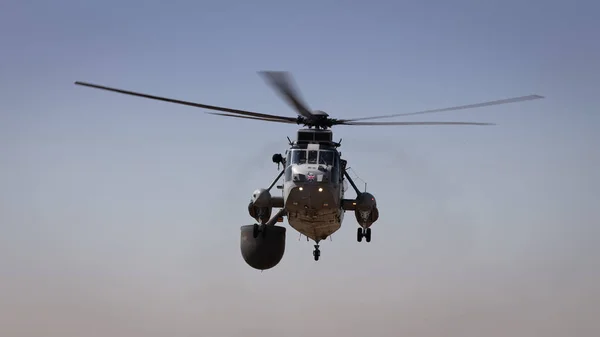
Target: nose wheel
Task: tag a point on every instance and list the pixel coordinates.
(316, 253)
(363, 233)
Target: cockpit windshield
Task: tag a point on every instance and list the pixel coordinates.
(312, 156)
(326, 157)
(321, 157)
(298, 157)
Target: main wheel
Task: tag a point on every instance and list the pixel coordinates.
(359, 234)
(368, 235)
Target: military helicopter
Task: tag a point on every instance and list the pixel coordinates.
(315, 176)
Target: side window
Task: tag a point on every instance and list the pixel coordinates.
(288, 167)
(288, 174)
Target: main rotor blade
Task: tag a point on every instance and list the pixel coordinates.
(197, 105)
(254, 118)
(462, 107)
(414, 123)
(284, 85)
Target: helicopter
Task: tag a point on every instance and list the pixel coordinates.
(315, 176)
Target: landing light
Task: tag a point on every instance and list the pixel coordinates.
(320, 189)
(300, 188)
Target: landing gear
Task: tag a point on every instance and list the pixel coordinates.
(363, 232)
(316, 253)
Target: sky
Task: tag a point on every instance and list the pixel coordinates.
(120, 216)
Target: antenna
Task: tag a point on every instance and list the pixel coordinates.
(357, 177)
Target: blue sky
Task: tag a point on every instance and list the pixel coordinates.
(121, 215)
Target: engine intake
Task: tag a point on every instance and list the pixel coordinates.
(266, 250)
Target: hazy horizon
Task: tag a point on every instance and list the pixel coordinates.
(120, 216)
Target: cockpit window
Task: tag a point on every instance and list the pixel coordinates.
(312, 157)
(326, 158)
(298, 157)
(321, 157)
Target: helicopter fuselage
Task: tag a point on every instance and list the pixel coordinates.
(313, 191)
(314, 183)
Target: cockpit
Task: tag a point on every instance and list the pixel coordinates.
(326, 162)
(320, 157)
